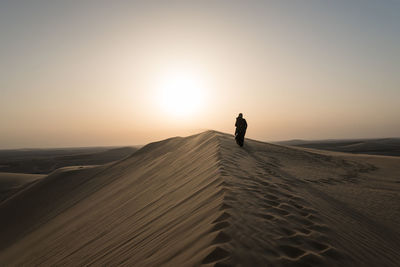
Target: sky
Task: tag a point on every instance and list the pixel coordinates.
(92, 73)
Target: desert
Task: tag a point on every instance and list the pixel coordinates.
(202, 200)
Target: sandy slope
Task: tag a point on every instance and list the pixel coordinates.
(13, 182)
(382, 146)
(45, 161)
(203, 200)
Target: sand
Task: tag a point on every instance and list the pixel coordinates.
(381, 146)
(45, 161)
(202, 200)
(10, 183)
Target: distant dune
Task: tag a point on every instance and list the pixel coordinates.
(13, 182)
(202, 200)
(44, 161)
(383, 146)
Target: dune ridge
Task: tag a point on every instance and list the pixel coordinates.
(202, 200)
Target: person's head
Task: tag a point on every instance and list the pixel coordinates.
(240, 115)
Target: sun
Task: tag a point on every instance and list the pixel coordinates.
(181, 93)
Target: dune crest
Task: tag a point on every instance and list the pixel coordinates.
(203, 200)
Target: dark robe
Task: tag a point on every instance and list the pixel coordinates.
(241, 126)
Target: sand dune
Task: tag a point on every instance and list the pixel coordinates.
(202, 200)
(383, 146)
(10, 183)
(44, 161)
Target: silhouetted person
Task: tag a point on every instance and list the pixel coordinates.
(241, 126)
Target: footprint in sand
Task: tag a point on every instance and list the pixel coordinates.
(219, 226)
(271, 203)
(224, 216)
(317, 245)
(216, 255)
(279, 211)
(221, 238)
(291, 251)
(271, 197)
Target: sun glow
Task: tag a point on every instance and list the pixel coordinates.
(181, 93)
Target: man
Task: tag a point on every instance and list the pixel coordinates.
(241, 126)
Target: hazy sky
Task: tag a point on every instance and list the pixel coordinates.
(83, 73)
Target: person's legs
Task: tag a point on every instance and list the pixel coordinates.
(241, 139)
